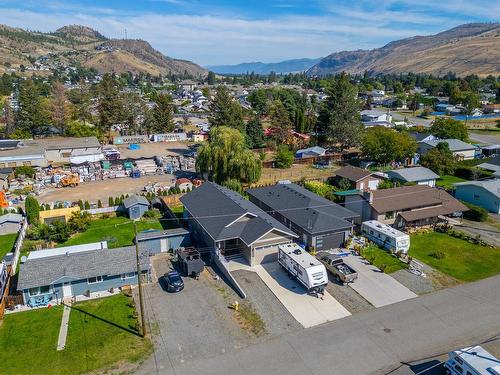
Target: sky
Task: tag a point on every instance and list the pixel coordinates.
(211, 32)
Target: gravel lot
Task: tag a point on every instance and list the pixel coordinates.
(434, 281)
(347, 296)
(149, 150)
(277, 318)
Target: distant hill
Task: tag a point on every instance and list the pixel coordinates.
(76, 44)
(288, 66)
(467, 49)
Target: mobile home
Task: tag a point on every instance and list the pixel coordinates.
(308, 270)
(386, 236)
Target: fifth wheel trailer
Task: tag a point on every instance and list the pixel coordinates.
(386, 236)
(308, 270)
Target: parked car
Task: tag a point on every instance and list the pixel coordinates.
(342, 272)
(174, 281)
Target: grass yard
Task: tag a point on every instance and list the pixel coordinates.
(101, 335)
(118, 231)
(448, 181)
(455, 257)
(7, 243)
(382, 259)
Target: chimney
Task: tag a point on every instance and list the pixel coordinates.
(370, 197)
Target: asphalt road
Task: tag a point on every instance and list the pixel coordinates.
(374, 342)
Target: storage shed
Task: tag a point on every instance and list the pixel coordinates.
(136, 206)
(159, 241)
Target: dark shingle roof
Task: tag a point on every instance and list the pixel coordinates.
(353, 173)
(305, 209)
(135, 199)
(217, 209)
(78, 266)
(152, 234)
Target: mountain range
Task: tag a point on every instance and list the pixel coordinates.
(466, 49)
(81, 45)
(282, 67)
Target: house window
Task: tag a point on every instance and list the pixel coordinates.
(94, 280)
(39, 290)
(129, 275)
(26, 163)
(389, 215)
(476, 196)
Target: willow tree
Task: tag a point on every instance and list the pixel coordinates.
(226, 157)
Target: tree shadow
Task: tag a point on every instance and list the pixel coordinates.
(87, 314)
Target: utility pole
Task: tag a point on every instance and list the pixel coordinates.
(141, 298)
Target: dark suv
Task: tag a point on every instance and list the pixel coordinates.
(174, 281)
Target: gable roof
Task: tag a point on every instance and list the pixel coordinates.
(315, 149)
(78, 266)
(353, 173)
(135, 199)
(454, 144)
(412, 197)
(492, 165)
(412, 174)
(420, 136)
(220, 212)
(15, 218)
(493, 186)
(305, 209)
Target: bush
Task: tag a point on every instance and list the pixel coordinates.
(475, 213)
(234, 185)
(25, 170)
(437, 255)
(471, 173)
(152, 214)
(284, 157)
(32, 209)
(321, 188)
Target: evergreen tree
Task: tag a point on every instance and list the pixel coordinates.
(31, 113)
(254, 132)
(281, 124)
(224, 111)
(32, 209)
(110, 106)
(163, 114)
(59, 106)
(211, 78)
(339, 120)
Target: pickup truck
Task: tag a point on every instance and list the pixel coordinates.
(342, 272)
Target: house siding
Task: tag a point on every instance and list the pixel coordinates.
(478, 196)
(136, 211)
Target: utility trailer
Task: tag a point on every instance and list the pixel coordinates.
(190, 261)
(301, 265)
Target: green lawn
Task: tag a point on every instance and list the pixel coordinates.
(382, 259)
(7, 243)
(448, 181)
(456, 257)
(101, 335)
(118, 231)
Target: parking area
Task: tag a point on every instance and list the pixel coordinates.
(375, 286)
(307, 309)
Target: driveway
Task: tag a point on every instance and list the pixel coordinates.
(308, 310)
(375, 286)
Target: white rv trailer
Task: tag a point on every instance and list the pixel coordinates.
(301, 265)
(386, 236)
(474, 361)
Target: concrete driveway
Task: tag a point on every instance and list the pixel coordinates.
(308, 310)
(375, 286)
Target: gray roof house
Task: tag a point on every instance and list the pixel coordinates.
(459, 148)
(419, 175)
(492, 165)
(484, 193)
(310, 152)
(10, 223)
(320, 223)
(222, 221)
(136, 206)
(158, 241)
(54, 274)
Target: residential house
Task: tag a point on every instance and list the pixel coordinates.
(418, 175)
(320, 223)
(492, 165)
(310, 152)
(84, 270)
(405, 206)
(136, 206)
(184, 184)
(484, 193)
(187, 85)
(373, 115)
(422, 137)
(224, 223)
(460, 149)
(159, 241)
(360, 179)
(10, 223)
(491, 108)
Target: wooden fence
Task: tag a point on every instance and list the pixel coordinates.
(330, 158)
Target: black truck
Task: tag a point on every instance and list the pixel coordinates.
(190, 261)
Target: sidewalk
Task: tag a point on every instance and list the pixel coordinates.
(63, 332)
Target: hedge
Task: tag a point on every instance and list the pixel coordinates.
(475, 213)
(471, 173)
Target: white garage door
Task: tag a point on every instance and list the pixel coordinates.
(265, 254)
